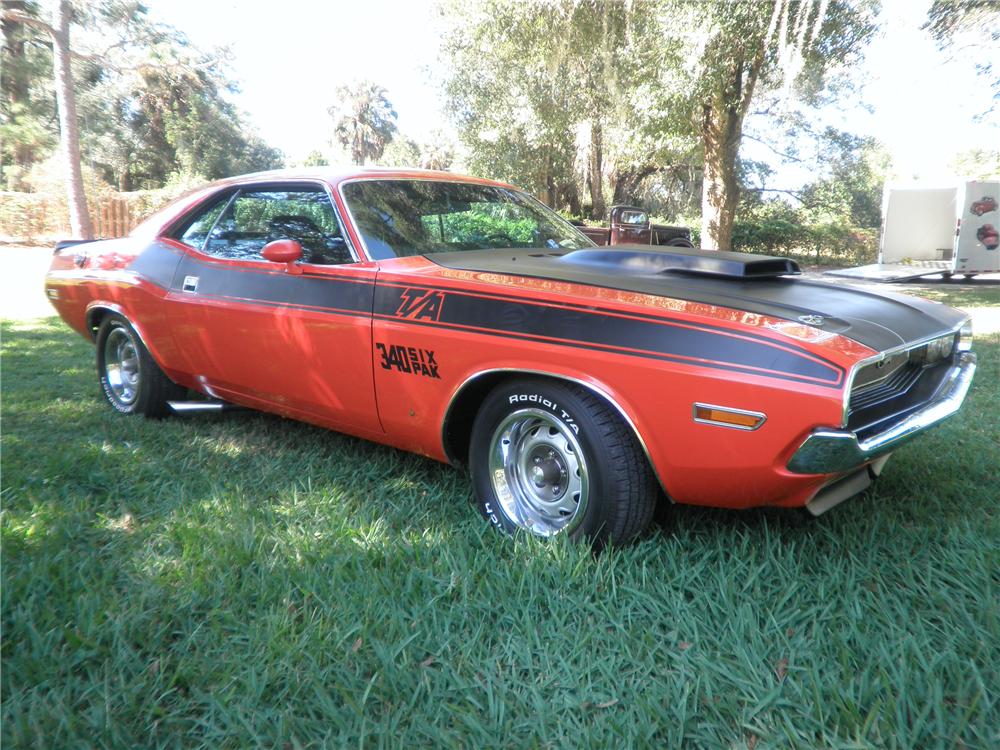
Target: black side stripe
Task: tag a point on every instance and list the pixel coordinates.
(568, 324)
(662, 339)
(590, 308)
(613, 350)
(303, 290)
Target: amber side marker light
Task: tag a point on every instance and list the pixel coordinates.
(724, 416)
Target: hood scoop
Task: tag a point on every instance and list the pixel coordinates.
(645, 261)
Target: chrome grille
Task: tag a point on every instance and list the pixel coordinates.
(885, 391)
(897, 383)
(877, 372)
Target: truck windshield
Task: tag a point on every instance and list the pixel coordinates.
(397, 218)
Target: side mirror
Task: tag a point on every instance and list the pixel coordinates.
(283, 251)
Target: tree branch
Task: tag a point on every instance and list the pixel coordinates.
(16, 16)
(797, 195)
(782, 154)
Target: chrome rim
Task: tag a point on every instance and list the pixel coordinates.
(539, 472)
(121, 365)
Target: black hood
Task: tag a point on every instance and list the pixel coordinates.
(741, 281)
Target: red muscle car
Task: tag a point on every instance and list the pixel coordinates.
(461, 319)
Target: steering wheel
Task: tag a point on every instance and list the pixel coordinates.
(499, 236)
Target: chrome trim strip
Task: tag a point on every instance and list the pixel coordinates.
(849, 384)
(828, 451)
(582, 383)
(761, 416)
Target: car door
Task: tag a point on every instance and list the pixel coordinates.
(291, 338)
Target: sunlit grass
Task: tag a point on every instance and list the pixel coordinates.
(242, 580)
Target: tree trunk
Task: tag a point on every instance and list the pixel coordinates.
(596, 178)
(570, 198)
(69, 134)
(625, 184)
(551, 193)
(722, 128)
(16, 88)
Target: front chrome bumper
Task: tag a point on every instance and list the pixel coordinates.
(829, 451)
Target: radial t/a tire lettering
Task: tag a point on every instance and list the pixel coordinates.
(553, 458)
(130, 380)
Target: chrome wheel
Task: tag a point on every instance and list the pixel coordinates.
(121, 366)
(539, 472)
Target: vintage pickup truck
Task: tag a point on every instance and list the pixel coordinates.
(631, 225)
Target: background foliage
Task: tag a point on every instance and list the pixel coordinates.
(585, 103)
(153, 107)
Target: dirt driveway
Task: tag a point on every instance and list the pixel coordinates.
(23, 272)
(23, 298)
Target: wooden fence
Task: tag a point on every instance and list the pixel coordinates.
(113, 217)
(43, 218)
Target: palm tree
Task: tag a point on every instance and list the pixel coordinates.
(363, 120)
(69, 131)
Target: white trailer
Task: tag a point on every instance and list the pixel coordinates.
(931, 231)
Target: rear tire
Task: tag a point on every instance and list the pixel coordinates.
(130, 380)
(552, 458)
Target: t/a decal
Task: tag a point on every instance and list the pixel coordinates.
(409, 359)
(418, 304)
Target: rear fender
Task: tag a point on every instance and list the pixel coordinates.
(95, 314)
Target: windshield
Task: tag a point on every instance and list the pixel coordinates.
(415, 217)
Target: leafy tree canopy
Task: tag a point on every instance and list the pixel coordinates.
(150, 103)
(542, 93)
(971, 27)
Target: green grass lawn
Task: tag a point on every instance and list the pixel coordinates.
(971, 294)
(241, 580)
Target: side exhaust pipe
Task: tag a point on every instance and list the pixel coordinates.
(192, 407)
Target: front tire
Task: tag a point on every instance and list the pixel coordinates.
(552, 458)
(130, 380)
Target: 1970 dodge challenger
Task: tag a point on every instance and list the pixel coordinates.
(461, 319)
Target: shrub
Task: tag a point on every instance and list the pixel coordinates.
(775, 228)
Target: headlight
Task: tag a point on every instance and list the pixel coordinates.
(934, 350)
(965, 337)
(941, 348)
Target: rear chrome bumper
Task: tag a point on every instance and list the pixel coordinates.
(830, 451)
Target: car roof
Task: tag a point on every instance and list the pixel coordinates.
(337, 174)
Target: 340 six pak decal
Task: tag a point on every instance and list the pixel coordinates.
(408, 359)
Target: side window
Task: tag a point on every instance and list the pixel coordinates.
(198, 229)
(257, 217)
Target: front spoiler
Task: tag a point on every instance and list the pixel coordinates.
(830, 451)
